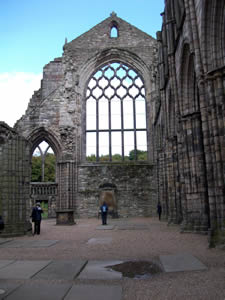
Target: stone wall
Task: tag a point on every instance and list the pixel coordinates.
(14, 182)
(57, 114)
(133, 185)
(189, 131)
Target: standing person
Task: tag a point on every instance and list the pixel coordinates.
(36, 217)
(159, 210)
(104, 211)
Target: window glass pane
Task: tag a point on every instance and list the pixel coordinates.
(121, 71)
(128, 142)
(91, 145)
(128, 113)
(103, 82)
(97, 92)
(140, 113)
(141, 145)
(116, 143)
(109, 72)
(115, 82)
(103, 146)
(140, 121)
(116, 113)
(97, 75)
(91, 114)
(103, 107)
(138, 82)
(141, 140)
(114, 32)
(140, 105)
(92, 83)
(133, 91)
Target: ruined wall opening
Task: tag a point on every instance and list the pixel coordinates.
(116, 114)
(114, 33)
(43, 164)
(43, 177)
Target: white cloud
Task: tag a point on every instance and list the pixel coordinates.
(16, 89)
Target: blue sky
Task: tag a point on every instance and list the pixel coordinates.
(33, 32)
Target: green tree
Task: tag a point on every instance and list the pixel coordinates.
(50, 162)
(141, 155)
(116, 157)
(91, 157)
(36, 169)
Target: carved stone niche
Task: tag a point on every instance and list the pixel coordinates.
(65, 217)
(108, 195)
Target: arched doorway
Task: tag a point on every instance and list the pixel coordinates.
(43, 178)
(44, 155)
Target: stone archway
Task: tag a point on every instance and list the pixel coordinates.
(45, 192)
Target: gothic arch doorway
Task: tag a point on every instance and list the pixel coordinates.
(44, 154)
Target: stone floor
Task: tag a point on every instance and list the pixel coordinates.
(71, 262)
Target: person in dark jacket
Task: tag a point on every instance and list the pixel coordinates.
(159, 210)
(2, 225)
(36, 218)
(104, 212)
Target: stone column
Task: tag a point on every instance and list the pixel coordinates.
(66, 193)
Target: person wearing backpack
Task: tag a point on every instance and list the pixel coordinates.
(104, 212)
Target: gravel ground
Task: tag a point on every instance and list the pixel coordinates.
(141, 239)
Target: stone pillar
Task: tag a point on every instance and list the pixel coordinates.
(14, 182)
(66, 192)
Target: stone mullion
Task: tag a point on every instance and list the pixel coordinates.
(219, 141)
(110, 131)
(97, 130)
(216, 178)
(174, 91)
(135, 132)
(199, 72)
(207, 133)
(122, 128)
(170, 179)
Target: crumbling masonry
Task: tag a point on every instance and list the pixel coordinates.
(182, 76)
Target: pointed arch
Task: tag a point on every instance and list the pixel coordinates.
(214, 34)
(189, 91)
(41, 134)
(114, 30)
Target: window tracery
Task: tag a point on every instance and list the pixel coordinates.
(116, 114)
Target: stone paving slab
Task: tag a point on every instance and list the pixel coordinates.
(31, 243)
(7, 287)
(40, 291)
(66, 270)
(22, 269)
(4, 263)
(102, 241)
(94, 292)
(132, 226)
(181, 262)
(105, 227)
(3, 241)
(97, 270)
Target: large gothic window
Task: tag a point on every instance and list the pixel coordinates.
(116, 115)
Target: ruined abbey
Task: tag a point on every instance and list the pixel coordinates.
(131, 120)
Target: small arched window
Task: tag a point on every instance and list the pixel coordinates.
(114, 31)
(43, 163)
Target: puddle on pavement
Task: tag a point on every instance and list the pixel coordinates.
(137, 269)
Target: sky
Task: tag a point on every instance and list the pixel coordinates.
(33, 32)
